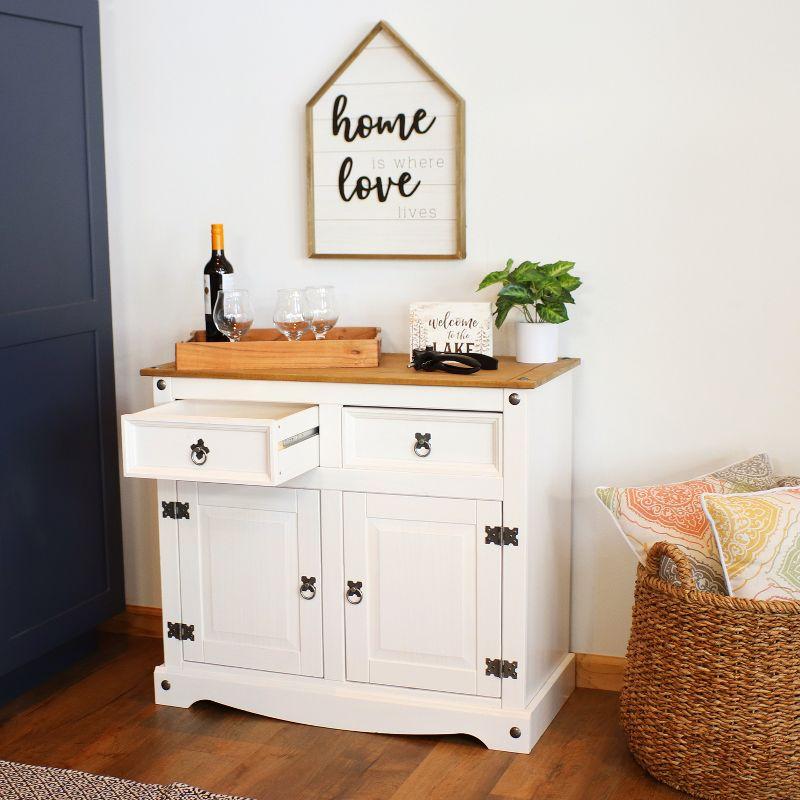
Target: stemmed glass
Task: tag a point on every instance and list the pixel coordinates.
(291, 314)
(233, 314)
(321, 311)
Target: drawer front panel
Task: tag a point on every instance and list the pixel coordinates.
(229, 450)
(260, 444)
(402, 439)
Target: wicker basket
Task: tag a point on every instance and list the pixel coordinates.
(711, 700)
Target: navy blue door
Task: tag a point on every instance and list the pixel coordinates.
(60, 542)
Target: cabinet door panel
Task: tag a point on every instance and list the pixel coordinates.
(430, 613)
(243, 551)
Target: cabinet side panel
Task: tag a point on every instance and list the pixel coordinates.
(515, 558)
(548, 530)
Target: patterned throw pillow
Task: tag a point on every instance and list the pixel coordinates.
(788, 480)
(758, 536)
(673, 513)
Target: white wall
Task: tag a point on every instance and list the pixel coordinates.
(654, 143)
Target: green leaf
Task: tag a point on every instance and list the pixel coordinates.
(493, 277)
(538, 278)
(509, 264)
(553, 312)
(559, 268)
(566, 297)
(503, 307)
(569, 282)
(516, 293)
(524, 272)
(551, 288)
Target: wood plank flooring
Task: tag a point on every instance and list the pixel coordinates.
(99, 716)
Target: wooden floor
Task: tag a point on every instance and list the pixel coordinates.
(100, 717)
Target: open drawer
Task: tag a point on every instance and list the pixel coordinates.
(220, 441)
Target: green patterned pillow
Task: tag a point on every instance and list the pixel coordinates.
(673, 513)
(758, 539)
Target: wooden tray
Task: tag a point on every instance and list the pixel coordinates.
(268, 348)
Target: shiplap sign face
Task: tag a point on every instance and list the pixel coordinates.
(385, 157)
(451, 327)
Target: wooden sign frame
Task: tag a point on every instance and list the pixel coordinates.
(460, 249)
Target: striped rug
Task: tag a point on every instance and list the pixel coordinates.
(24, 782)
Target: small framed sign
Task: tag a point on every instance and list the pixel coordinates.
(385, 157)
(452, 327)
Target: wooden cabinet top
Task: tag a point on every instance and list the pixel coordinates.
(392, 370)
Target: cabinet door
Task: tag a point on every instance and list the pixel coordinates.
(243, 553)
(429, 612)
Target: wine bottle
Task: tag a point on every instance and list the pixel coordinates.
(217, 277)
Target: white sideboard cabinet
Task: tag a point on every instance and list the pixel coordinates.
(370, 549)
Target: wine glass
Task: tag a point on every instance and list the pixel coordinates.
(322, 313)
(233, 314)
(291, 314)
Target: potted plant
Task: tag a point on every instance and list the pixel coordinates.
(541, 292)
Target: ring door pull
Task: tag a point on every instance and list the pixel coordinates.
(199, 453)
(354, 594)
(308, 588)
(422, 445)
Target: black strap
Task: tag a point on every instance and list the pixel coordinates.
(428, 360)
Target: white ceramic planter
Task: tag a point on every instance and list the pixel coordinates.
(537, 342)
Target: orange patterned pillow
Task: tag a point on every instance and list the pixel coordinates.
(673, 513)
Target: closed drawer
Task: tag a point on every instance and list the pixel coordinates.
(262, 444)
(407, 439)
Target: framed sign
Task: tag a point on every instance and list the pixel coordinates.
(451, 327)
(385, 157)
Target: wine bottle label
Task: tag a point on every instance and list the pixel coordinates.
(207, 292)
(227, 282)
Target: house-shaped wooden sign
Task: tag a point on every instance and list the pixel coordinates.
(385, 157)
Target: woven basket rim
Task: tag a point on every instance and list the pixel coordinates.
(647, 575)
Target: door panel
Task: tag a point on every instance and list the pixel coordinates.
(48, 172)
(424, 568)
(60, 541)
(243, 552)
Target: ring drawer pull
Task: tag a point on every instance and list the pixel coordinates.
(422, 445)
(354, 594)
(308, 588)
(199, 453)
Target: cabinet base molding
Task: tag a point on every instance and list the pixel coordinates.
(356, 707)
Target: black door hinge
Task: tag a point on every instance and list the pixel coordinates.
(501, 536)
(180, 631)
(501, 669)
(174, 510)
